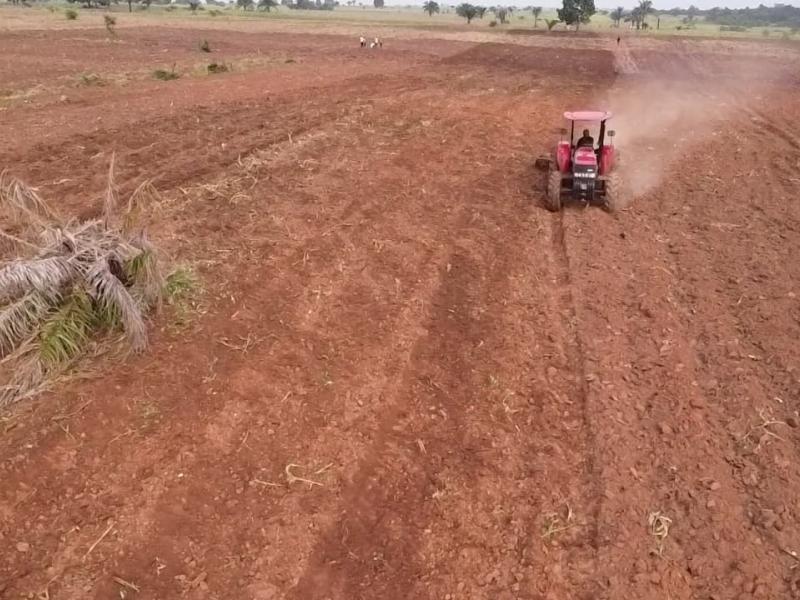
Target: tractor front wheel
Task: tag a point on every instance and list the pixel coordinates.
(613, 191)
(554, 191)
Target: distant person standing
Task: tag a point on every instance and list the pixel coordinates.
(617, 40)
(363, 42)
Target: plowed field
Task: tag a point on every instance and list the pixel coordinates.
(404, 378)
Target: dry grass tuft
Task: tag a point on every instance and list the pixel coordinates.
(659, 525)
(761, 433)
(214, 68)
(555, 523)
(165, 75)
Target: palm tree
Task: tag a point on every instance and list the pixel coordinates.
(617, 14)
(431, 7)
(645, 8)
(536, 10)
(635, 17)
(502, 15)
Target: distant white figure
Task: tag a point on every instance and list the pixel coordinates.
(363, 42)
(372, 44)
(377, 43)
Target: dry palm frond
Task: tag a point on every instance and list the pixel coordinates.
(114, 299)
(12, 242)
(27, 379)
(46, 275)
(20, 200)
(70, 283)
(141, 198)
(20, 318)
(148, 280)
(112, 197)
(57, 240)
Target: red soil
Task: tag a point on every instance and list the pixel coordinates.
(491, 400)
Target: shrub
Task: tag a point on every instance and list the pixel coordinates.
(492, 23)
(110, 23)
(91, 79)
(71, 14)
(467, 11)
(217, 68)
(204, 46)
(165, 75)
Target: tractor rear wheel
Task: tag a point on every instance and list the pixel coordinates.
(554, 191)
(613, 190)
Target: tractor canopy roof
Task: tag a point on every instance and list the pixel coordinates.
(587, 115)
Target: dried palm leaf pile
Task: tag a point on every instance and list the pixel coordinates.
(70, 287)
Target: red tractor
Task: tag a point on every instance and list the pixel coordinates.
(582, 169)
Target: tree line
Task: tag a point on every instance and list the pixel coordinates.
(760, 16)
(573, 12)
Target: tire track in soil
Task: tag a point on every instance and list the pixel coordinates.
(385, 507)
(589, 488)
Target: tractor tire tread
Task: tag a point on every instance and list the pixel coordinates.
(554, 191)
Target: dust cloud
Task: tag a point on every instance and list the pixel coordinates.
(655, 124)
(659, 114)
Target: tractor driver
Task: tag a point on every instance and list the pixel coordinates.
(586, 140)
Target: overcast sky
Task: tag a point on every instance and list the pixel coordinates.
(610, 4)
